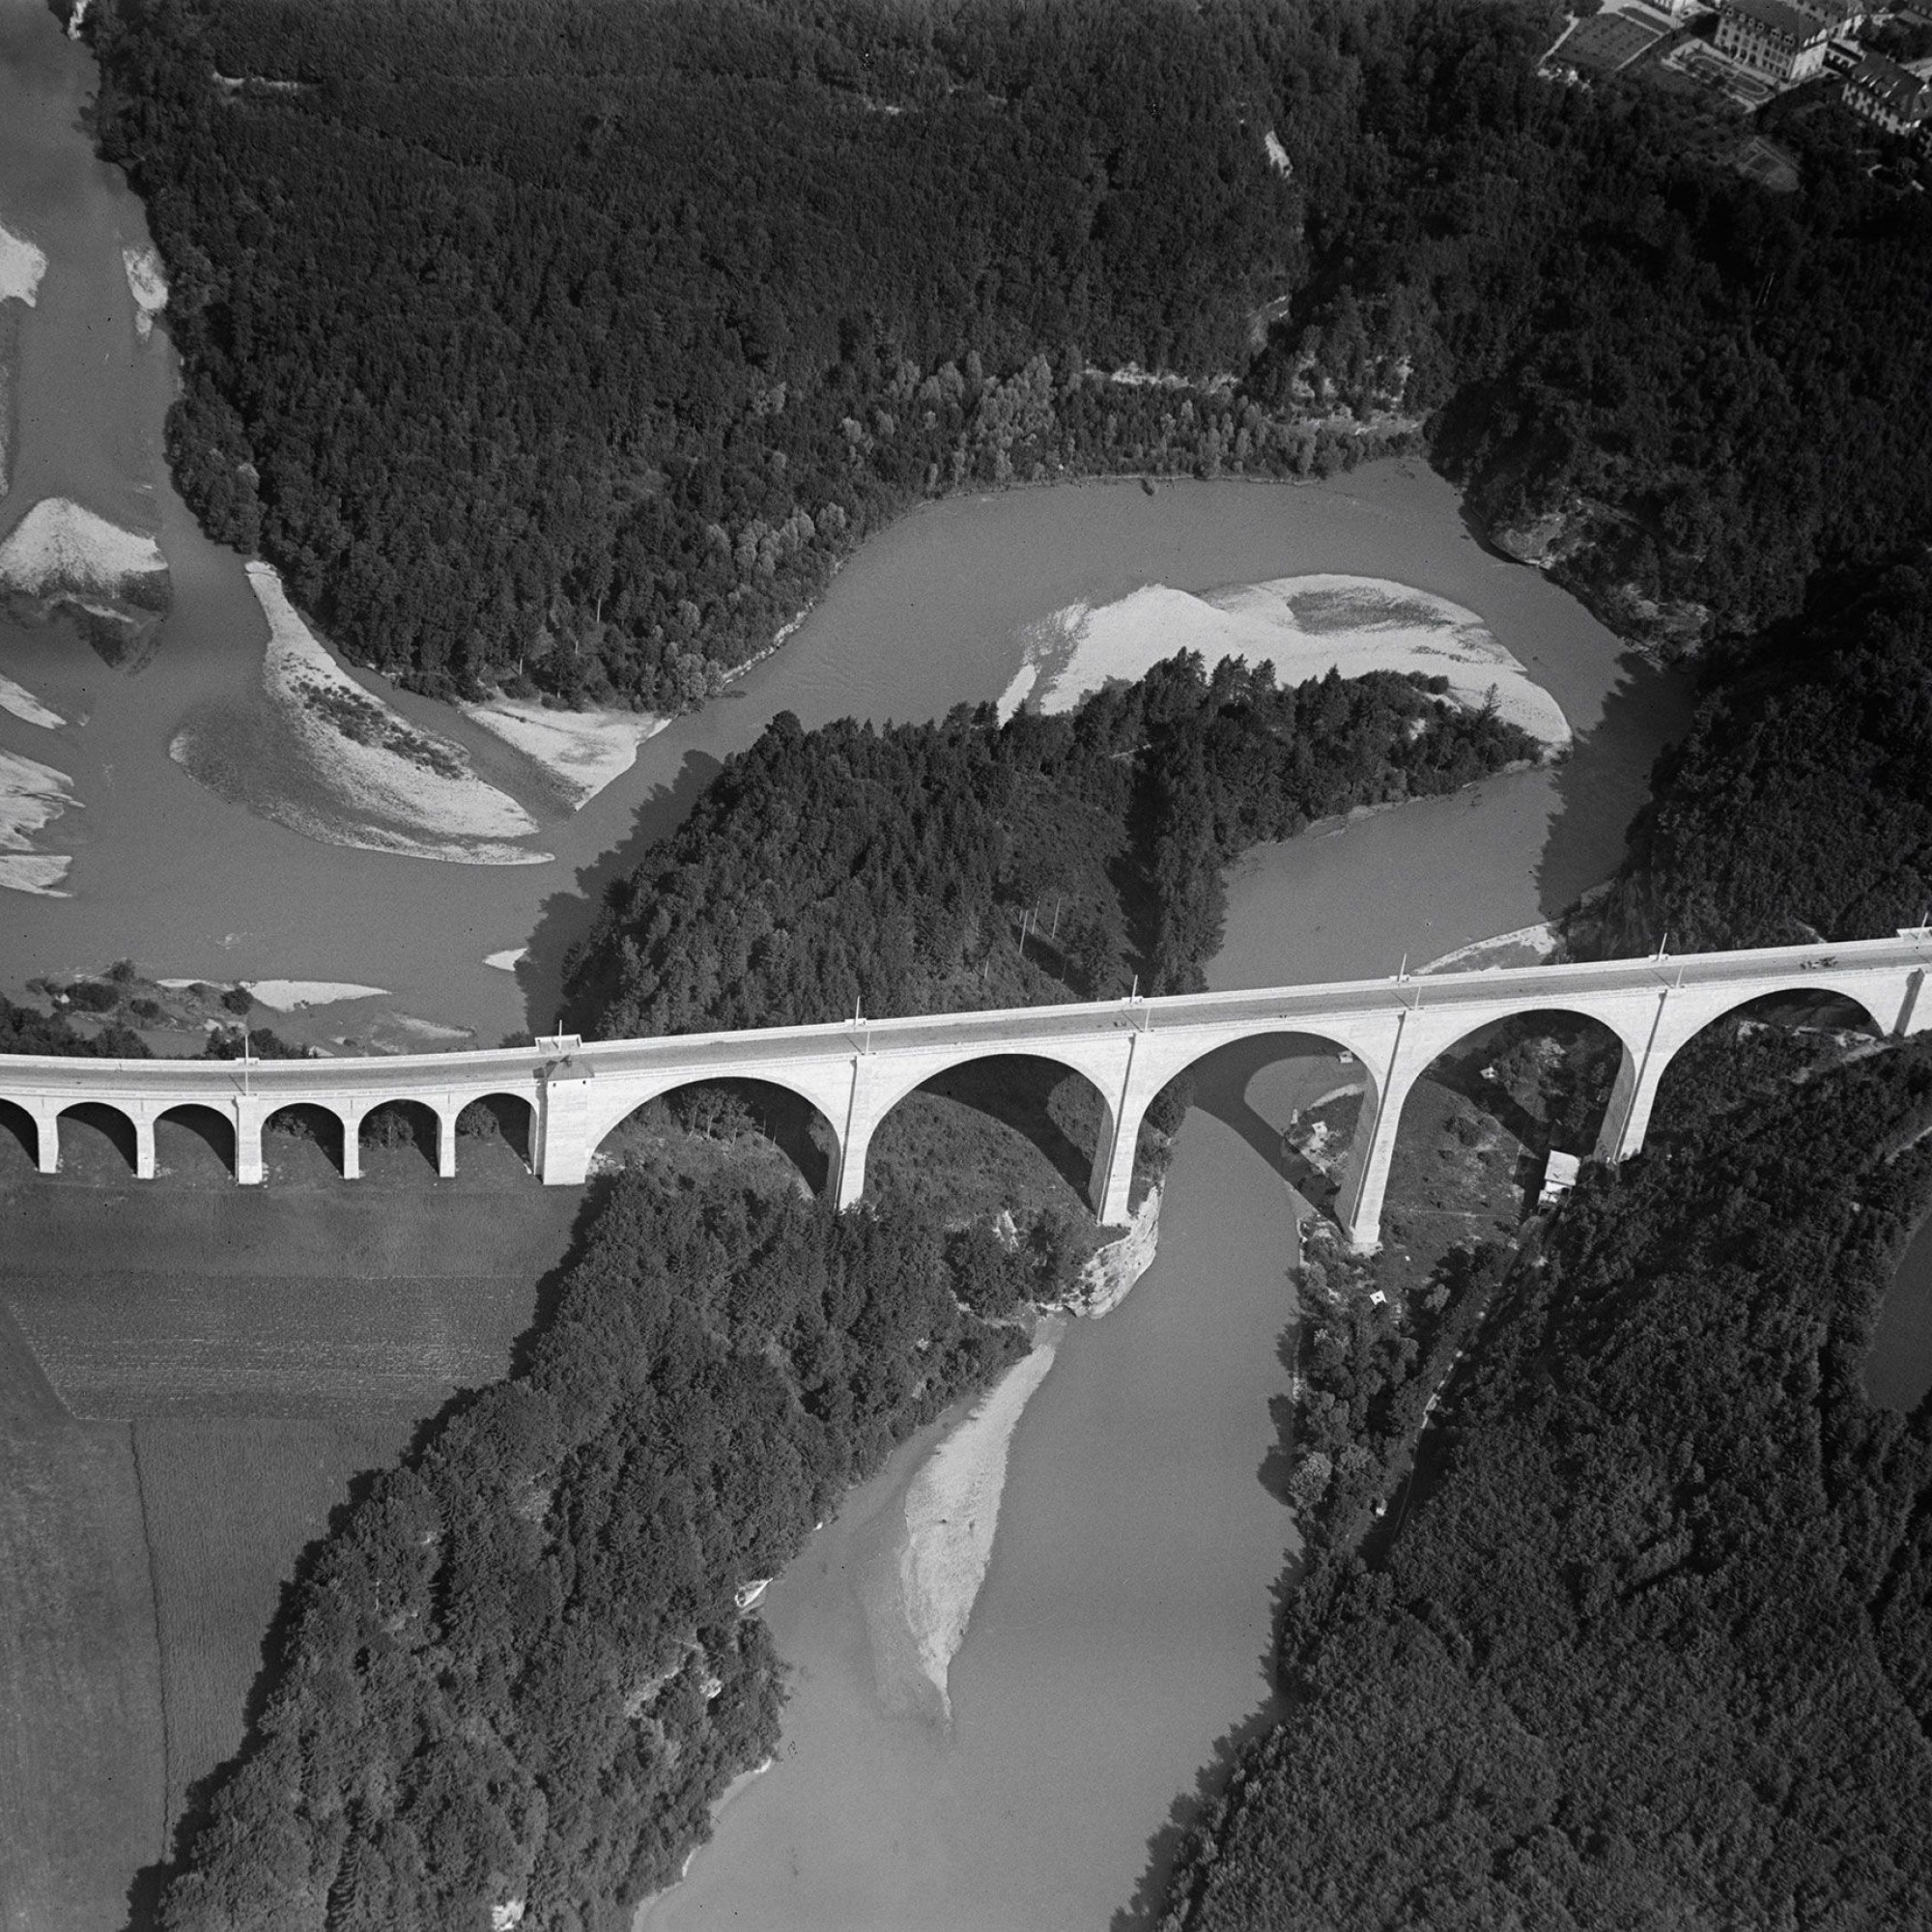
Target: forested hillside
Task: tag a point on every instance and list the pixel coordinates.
(896, 866)
(1800, 807)
(516, 1674)
(1648, 1647)
(571, 345)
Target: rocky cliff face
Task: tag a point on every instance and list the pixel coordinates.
(1111, 1271)
(1591, 548)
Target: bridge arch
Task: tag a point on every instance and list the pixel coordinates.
(314, 1134)
(1021, 1091)
(106, 1131)
(1221, 1078)
(191, 1133)
(19, 1128)
(1808, 1004)
(395, 1125)
(505, 1117)
(726, 1106)
(1579, 1105)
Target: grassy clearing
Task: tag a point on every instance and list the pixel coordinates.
(81, 1748)
(231, 1503)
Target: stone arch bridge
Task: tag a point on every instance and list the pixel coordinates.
(855, 1071)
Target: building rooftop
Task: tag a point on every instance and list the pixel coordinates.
(1779, 19)
(1898, 87)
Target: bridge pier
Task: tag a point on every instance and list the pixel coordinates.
(1358, 1205)
(144, 1146)
(251, 1114)
(560, 1129)
(46, 1134)
(854, 1135)
(447, 1111)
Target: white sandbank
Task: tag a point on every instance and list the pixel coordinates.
(399, 803)
(22, 266)
(59, 546)
(951, 1510)
(24, 705)
(32, 796)
(509, 959)
(1304, 626)
(147, 284)
(584, 751)
(37, 872)
(286, 996)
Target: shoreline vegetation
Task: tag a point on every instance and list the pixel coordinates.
(1609, 1528)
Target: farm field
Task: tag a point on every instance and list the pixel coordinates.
(178, 1430)
(81, 1753)
(222, 1551)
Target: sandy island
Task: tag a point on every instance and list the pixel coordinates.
(582, 750)
(403, 791)
(32, 796)
(21, 268)
(1304, 626)
(60, 549)
(951, 1511)
(26, 707)
(287, 996)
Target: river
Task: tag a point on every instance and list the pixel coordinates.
(1125, 1620)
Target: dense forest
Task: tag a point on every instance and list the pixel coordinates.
(1800, 806)
(517, 1674)
(898, 867)
(1649, 1644)
(571, 347)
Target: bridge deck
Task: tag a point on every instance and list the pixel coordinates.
(1011, 1030)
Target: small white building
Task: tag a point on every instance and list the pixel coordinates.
(1774, 38)
(1559, 1177)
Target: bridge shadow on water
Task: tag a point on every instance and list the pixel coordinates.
(567, 917)
(145, 1892)
(1221, 1081)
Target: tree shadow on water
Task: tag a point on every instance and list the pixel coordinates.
(567, 917)
(1605, 781)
